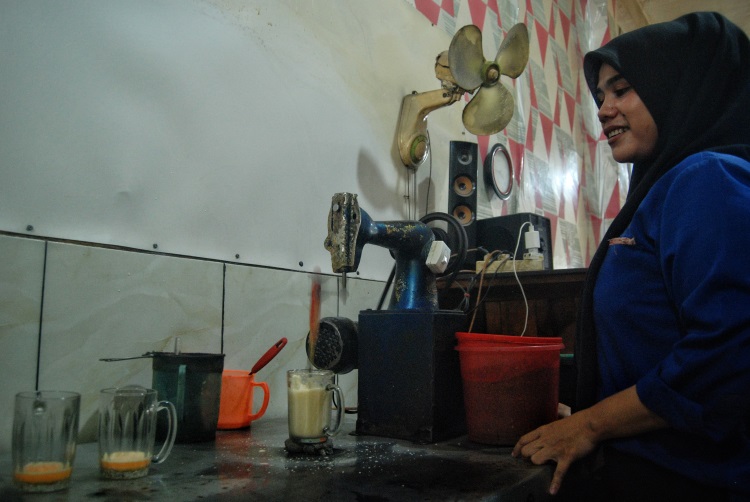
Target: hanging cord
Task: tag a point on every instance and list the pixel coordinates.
(429, 176)
(407, 195)
(515, 273)
(387, 287)
(413, 196)
(488, 259)
(503, 256)
(465, 302)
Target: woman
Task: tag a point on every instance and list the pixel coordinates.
(663, 344)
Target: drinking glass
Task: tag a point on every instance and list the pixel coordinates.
(309, 394)
(45, 430)
(127, 431)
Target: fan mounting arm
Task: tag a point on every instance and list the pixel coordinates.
(412, 123)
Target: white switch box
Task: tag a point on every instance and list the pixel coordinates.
(438, 257)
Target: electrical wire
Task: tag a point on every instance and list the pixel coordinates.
(465, 303)
(515, 273)
(429, 176)
(488, 259)
(414, 195)
(407, 196)
(387, 287)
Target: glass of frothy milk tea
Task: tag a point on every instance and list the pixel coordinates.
(310, 407)
(127, 431)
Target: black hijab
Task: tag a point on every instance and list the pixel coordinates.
(693, 75)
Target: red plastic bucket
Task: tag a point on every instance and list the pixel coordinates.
(485, 338)
(510, 385)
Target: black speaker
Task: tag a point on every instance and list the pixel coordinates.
(501, 233)
(462, 189)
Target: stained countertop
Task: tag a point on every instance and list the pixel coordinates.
(253, 464)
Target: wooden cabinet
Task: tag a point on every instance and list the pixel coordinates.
(553, 298)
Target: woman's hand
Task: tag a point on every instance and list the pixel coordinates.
(569, 439)
(562, 442)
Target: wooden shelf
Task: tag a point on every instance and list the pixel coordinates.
(553, 297)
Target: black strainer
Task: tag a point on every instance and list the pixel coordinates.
(336, 347)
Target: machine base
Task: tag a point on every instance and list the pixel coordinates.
(409, 375)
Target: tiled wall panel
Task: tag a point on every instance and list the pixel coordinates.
(21, 281)
(110, 303)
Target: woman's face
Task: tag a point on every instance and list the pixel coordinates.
(630, 130)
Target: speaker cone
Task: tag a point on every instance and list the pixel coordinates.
(465, 158)
(463, 214)
(464, 186)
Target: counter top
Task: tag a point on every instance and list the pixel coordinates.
(252, 464)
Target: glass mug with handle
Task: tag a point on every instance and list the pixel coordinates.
(310, 394)
(127, 431)
(45, 431)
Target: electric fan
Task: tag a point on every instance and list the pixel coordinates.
(461, 69)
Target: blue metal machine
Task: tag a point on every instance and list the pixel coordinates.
(409, 381)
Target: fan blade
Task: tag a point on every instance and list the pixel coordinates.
(513, 53)
(466, 58)
(489, 111)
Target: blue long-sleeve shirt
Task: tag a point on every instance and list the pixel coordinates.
(672, 315)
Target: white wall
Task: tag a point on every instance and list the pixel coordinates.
(209, 128)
